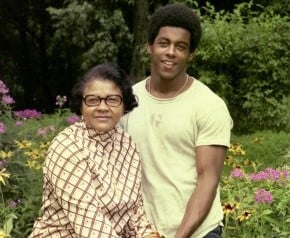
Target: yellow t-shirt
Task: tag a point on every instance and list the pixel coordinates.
(167, 131)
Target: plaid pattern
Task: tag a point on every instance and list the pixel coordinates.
(92, 187)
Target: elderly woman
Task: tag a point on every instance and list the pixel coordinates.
(92, 168)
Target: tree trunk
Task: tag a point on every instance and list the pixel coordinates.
(141, 13)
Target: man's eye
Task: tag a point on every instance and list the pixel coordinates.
(181, 47)
(163, 43)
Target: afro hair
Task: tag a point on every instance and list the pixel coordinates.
(176, 15)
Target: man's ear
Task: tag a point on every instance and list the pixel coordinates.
(191, 56)
(149, 49)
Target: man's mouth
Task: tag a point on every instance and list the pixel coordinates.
(168, 62)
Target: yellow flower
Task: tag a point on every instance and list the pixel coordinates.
(245, 216)
(32, 164)
(6, 155)
(229, 160)
(23, 144)
(44, 145)
(33, 154)
(258, 140)
(249, 163)
(237, 149)
(3, 176)
(230, 207)
(3, 234)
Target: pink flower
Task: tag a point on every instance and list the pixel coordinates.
(268, 174)
(263, 196)
(42, 131)
(28, 114)
(2, 128)
(237, 173)
(19, 123)
(72, 119)
(285, 173)
(3, 88)
(7, 99)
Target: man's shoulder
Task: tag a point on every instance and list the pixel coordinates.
(205, 90)
(140, 85)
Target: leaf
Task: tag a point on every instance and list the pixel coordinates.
(266, 212)
(8, 225)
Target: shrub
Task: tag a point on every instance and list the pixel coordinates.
(244, 57)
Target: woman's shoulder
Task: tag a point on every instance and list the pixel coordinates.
(69, 135)
(124, 138)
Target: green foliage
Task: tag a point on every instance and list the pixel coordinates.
(93, 30)
(244, 57)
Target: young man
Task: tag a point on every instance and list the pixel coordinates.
(182, 129)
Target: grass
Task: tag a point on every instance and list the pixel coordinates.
(265, 148)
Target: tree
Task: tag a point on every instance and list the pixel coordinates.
(140, 36)
(24, 35)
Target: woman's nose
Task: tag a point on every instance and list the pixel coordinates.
(102, 105)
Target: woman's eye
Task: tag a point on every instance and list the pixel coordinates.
(93, 100)
(112, 99)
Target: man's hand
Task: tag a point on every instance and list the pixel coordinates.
(154, 234)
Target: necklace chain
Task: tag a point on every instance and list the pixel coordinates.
(179, 90)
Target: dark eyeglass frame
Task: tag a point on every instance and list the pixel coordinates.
(106, 99)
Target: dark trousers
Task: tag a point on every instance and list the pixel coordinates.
(215, 233)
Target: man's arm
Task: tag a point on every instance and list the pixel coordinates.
(209, 164)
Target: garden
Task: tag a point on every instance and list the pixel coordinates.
(243, 57)
(255, 184)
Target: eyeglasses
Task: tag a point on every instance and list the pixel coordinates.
(111, 100)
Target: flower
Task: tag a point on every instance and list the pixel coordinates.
(2, 232)
(263, 196)
(258, 140)
(230, 207)
(19, 123)
(42, 131)
(3, 176)
(268, 174)
(7, 99)
(28, 114)
(3, 88)
(3, 164)
(73, 119)
(6, 155)
(237, 149)
(14, 203)
(244, 216)
(237, 173)
(23, 144)
(2, 128)
(60, 101)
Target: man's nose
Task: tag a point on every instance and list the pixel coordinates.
(171, 49)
